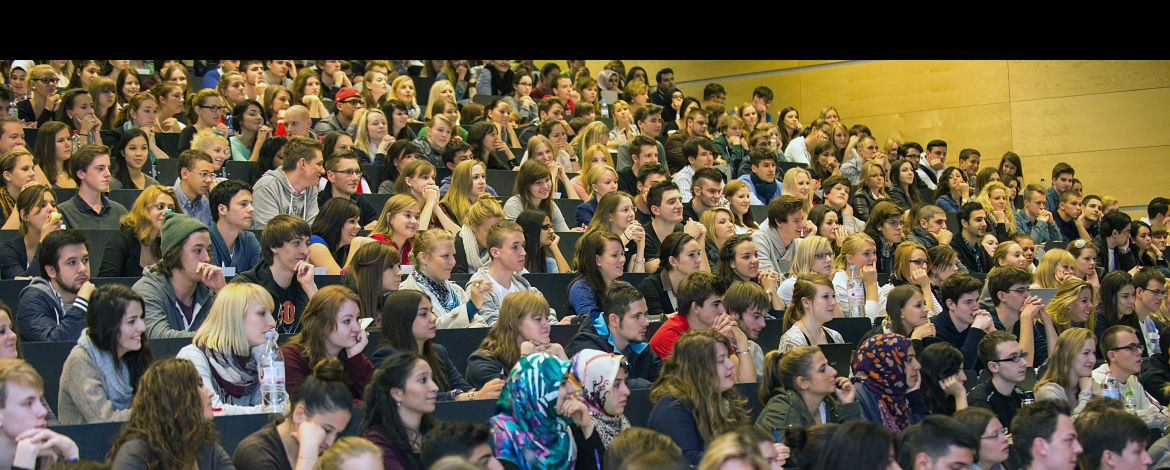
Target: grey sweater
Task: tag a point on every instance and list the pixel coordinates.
(163, 318)
(134, 453)
(82, 398)
(272, 195)
(490, 310)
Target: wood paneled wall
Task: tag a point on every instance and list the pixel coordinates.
(1109, 119)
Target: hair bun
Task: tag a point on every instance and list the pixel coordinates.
(795, 437)
(329, 369)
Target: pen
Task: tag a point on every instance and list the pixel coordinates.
(776, 434)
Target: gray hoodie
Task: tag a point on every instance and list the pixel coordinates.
(490, 310)
(272, 195)
(41, 316)
(163, 318)
(770, 250)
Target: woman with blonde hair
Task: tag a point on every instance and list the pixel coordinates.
(43, 101)
(694, 397)
(373, 138)
(624, 129)
(521, 329)
(813, 304)
(720, 229)
(433, 256)
(541, 150)
(1068, 377)
(815, 258)
(443, 89)
(592, 134)
(871, 191)
(1055, 267)
(798, 182)
(857, 251)
(994, 199)
(402, 89)
(730, 450)
(18, 169)
(600, 181)
(739, 202)
(217, 147)
(227, 347)
(595, 156)
(468, 182)
(471, 250)
(1009, 253)
(375, 90)
(135, 245)
(397, 224)
(350, 452)
(374, 271)
(616, 214)
(1073, 305)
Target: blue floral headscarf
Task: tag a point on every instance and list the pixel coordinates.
(527, 430)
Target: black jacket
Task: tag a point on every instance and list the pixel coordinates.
(122, 255)
(1155, 376)
(657, 300)
(643, 366)
(975, 259)
(1125, 261)
(14, 260)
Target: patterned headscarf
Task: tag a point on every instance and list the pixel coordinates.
(527, 430)
(880, 362)
(596, 372)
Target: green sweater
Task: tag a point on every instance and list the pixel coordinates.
(786, 408)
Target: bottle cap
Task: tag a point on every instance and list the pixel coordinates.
(853, 266)
(270, 335)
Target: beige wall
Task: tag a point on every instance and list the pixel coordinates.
(1109, 119)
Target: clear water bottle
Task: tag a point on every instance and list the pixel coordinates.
(76, 138)
(604, 109)
(856, 293)
(227, 121)
(1028, 398)
(1112, 389)
(273, 394)
(1130, 400)
(12, 111)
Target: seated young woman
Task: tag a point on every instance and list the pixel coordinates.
(542, 421)
(600, 261)
(227, 347)
(170, 422)
(399, 403)
(401, 153)
(890, 378)
(410, 325)
(433, 259)
(615, 213)
(813, 255)
(471, 252)
(101, 375)
(468, 183)
(602, 180)
(319, 410)
(813, 304)
(533, 190)
(1072, 305)
(1055, 267)
(541, 149)
(738, 262)
(542, 242)
(24, 438)
(602, 377)
(135, 245)
(943, 380)
(522, 329)
(694, 397)
(38, 217)
(336, 226)
(906, 315)
(1068, 378)
(397, 225)
(374, 272)
(329, 328)
(679, 255)
(418, 181)
(129, 158)
(801, 389)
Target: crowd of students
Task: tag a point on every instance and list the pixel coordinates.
(853, 227)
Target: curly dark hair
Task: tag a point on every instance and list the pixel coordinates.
(167, 413)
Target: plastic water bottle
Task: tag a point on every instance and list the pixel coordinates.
(1130, 400)
(227, 121)
(1112, 389)
(604, 108)
(856, 293)
(274, 396)
(76, 138)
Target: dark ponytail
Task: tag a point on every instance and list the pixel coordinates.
(325, 390)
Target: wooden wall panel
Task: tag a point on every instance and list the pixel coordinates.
(985, 128)
(1038, 79)
(876, 88)
(1133, 176)
(1092, 122)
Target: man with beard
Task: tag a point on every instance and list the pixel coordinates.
(972, 257)
(749, 304)
(622, 330)
(52, 307)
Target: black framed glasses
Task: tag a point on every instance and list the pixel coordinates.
(920, 262)
(1132, 347)
(47, 81)
(1022, 356)
(822, 256)
(213, 108)
(1157, 292)
(1020, 290)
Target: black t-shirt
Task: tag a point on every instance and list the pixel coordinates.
(263, 450)
(653, 242)
(290, 301)
(628, 181)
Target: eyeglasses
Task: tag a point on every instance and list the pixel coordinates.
(1157, 292)
(825, 255)
(205, 175)
(213, 108)
(1001, 432)
(355, 102)
(357, 172)
(1132, 347)
(920, 262)
(47, 81)
(1020, 290)
(1021, 357)
(158, 206)
(895, 222)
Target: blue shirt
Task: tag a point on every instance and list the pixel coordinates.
(197, 208)
(585, 211)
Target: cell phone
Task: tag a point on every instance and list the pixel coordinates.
(366, 322)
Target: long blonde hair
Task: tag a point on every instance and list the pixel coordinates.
(138, 218)
(397, 203)
(592, 134)
(1045, 274)
(984, 199)
(594, 175)
(689, 375)
(788, 187)
(361, 139)
(502, 339)
(458, 197)
(852, 245)
(1068, 345)
(1065, 296)
(223, 329)
(805, 288)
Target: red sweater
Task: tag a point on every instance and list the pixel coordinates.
(297, 369)
(663, 341)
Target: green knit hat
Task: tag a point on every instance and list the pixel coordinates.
(176, 228)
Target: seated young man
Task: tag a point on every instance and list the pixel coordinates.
(761, 181)
(644, 152)
(233, 247)
(649, 175)
(471, 441)
(25, 439)
(837, 190)
(284, 270)
(1062, 180)
(1035, 219)
(707, 192)
(52, 307)
(1044, 437)
(749, 305)
(938, 442)
(344, 175)
(1016, 310)
(1068, 216)
(972, 257)
(962, 324)
(612, 332)
(505, 242)
(1122, 350)
(1115, 248)
(700, 300)
(699, 153)
(292, 188)
(1112, 440)
(930, 227)
(1000, 354)
(179, 290)
(776, 243)
(196, 173)
(91, 209)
